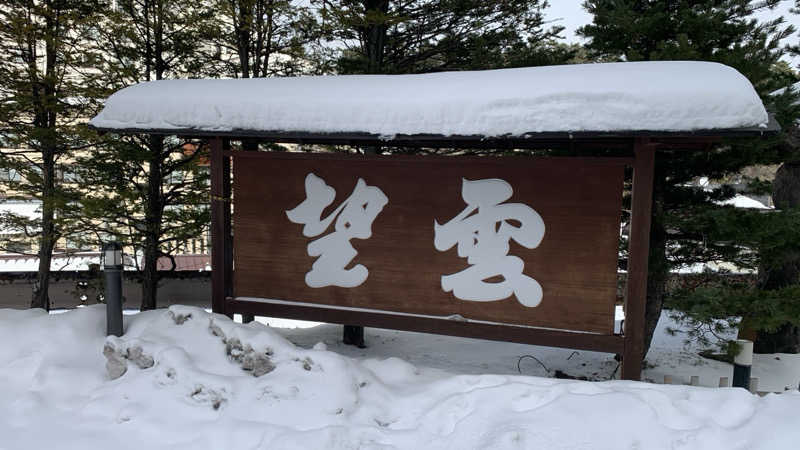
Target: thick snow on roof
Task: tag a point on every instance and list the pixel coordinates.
(637, 96)
(66, 263)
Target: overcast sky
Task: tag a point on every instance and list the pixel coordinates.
(571, 15)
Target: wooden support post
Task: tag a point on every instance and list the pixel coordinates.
(248, 145)
(638, 252)
(221, 238)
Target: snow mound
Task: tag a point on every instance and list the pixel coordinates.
(653, 96)
(187, 385)
(742, 201)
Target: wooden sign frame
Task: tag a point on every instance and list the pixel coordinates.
(638, 145)
(629, 343)
(567, 278)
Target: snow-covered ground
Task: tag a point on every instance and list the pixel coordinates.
(185, 387)
(669, 355)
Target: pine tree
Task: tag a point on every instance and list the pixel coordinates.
(151, 193)
(784, 272)
(43, 97)
(261, 38)
(417, 36)
(723, 31)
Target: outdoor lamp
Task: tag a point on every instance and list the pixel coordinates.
(112, 270)
(112, 255)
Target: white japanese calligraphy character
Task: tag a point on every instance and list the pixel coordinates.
(355, 217)
(482, 232)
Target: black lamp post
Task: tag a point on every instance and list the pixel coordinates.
(112, 266)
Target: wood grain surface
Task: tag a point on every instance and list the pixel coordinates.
(579, 200)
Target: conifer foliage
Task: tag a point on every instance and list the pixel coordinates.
(688, 224)
(151, 192)
(261, 38)
(45, 92)
(417, 36)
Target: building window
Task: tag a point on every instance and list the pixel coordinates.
(9, 175)
(18, 247)
(177, 177)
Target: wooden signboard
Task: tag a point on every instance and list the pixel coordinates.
(508, 248)
(518, 241)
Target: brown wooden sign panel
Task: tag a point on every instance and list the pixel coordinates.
(377, 222)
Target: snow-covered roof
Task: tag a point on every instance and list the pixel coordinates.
(59, 262)
(663, 96)
(64, 262)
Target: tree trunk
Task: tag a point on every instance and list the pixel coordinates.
(786, 186)
(657, 266)
(243, 30)
(785, 195)
(374, 35)
(153, 219)
(45, 120)
(785, 340)
(47, 240)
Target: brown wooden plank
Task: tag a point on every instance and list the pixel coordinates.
(638, 251)
(221, 239)
(495, 332)
(425, 160)
(580, 202)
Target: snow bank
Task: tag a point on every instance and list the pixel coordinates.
(655, 96)
(197, 394)
(670, 354)
(742, 201)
